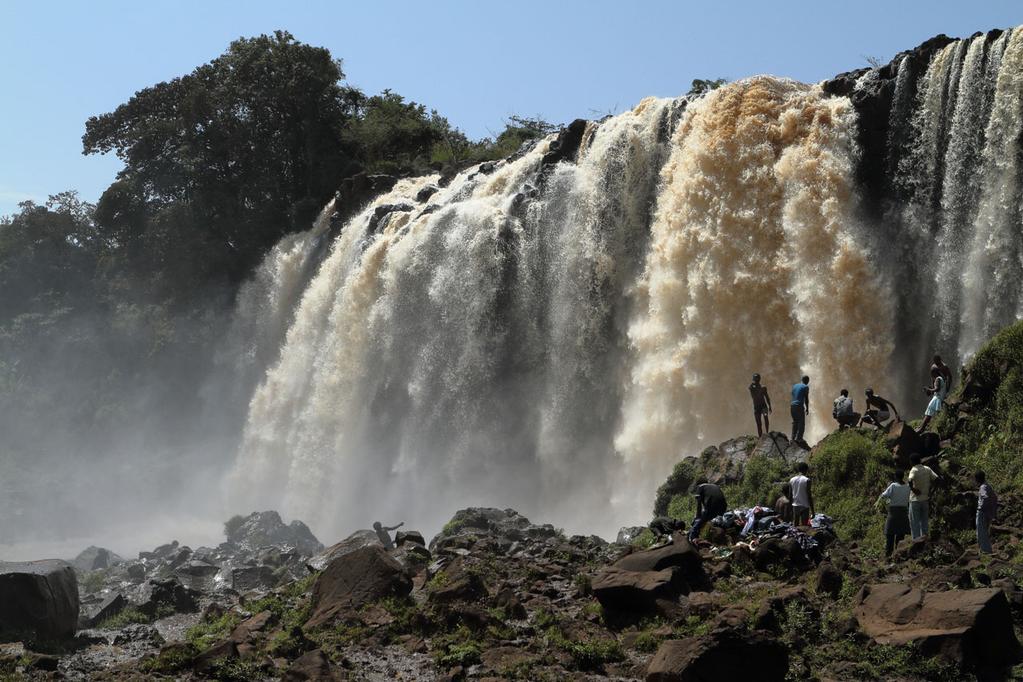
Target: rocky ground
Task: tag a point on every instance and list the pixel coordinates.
(494, 596)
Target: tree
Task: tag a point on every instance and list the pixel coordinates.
(246, 148)
(702, 86)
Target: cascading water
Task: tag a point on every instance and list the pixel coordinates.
(553, 333)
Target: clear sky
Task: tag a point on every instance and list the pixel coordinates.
(476, 62)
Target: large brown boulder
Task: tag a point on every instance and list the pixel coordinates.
(638, 581)
(38, 600)
(354, 580)
(724, 655)
(312, 666)
(972, 627)
(637, 591)
(903, 441)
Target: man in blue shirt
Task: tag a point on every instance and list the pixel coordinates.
(800, 409)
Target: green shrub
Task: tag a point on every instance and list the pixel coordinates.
(128, 616)
(849, 470)
(232, 525)
(761, 482)
(209, 632)
(992, 437)
(677, 483)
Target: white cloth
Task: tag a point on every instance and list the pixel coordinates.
(843, 406)
(897, 494)
(921, 477)
(933, 407)
(800, 486)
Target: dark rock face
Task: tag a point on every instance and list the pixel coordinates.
(261, 529)
(39, 599)
(724, 655)
(355, 192)
(971, 627)
(312, 666)
(354, 580)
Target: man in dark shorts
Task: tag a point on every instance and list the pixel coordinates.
(877, 412)
(710, 503)
(761, 405)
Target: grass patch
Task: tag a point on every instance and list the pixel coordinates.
(209, 632)
(849, 470)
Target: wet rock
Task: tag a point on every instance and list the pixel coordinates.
(971, 627)
(725, 655)
(260, 529)
(425, 193)
(162, 596)
(38, 599)
(251, 578)
(355, 192)
(355, 541)
(412, 537)
(138, 634)
(136, 572)
(112, 605)
(627, 534)
(354, 580)
(197, 575)
(312, 666)
(94, 559)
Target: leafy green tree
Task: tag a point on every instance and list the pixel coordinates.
(703, 86)
(247, 148)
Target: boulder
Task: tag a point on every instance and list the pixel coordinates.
(455, 583)
(249, 578)
(354, 580)
(260, 529)
(411, 537)
(974, 628)
(357, 540)
(680, 553)
(626, 534)
(312, 666)
(207, 661)
(160, 596)
(727, 654)
(94, 559)
(641, 580)
(38, 599)
(197, 575)
(638, 591)
(829, 580)
(903, 441)
(112, 605)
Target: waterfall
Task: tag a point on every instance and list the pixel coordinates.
(754, 266)
(553, 332)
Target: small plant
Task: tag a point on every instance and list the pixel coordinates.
(232, 525)
(171, 659)
(128, 616)
(209, 632)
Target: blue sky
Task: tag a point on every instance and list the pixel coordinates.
(476, 62)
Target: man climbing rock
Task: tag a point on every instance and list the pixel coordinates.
(800, 409)
(710, 502)
(761, 405)
(878, 412)
(384, 535)
(843, 410)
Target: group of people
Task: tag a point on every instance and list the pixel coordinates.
(799, 508)
(878, 409)
(908, 502)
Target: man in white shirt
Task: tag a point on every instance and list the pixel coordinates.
(843, 410)
(920, 479)
(802, 496)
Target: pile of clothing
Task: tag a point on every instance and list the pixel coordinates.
(759, 523)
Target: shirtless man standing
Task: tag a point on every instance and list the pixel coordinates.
(761, 405)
